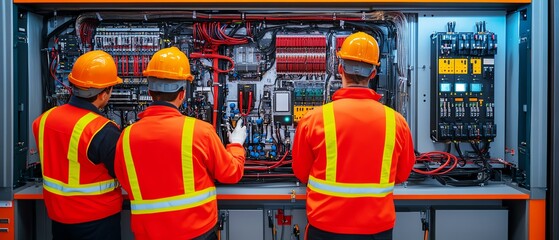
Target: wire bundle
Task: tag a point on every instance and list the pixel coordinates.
(85, 32)
(452, 169)
(213, 34)
(255, 165)
(447, 162)
(53, 65)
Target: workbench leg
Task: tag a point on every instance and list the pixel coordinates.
(536, 219)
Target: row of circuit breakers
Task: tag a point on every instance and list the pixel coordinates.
(272, 71)
(462, 85)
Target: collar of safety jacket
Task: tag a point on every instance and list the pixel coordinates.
(82, 103)
(357, 93)
(159, 109)
(163, 103)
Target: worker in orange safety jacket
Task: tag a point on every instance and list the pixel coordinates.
(351, 152)
(76, 146)
(168, 162)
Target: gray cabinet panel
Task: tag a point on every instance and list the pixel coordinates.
(408, 226)
(471, 224)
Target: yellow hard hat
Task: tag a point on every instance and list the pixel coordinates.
(360, 47)
(94, 69)
(169, 63)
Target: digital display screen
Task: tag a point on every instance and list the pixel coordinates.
(476, 87)
(282, 102)
(460, 87)
(445, 87)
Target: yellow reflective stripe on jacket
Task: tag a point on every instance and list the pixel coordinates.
(74, 165)
(174, 203)
(130, 169)
(42, 138)
(389, 142)
(330, 141)
(186, 155)
(349, 190)
(60, 188)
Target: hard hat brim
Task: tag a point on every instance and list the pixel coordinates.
(165, 85)
(357, 68)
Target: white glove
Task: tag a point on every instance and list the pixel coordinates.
(239, 134)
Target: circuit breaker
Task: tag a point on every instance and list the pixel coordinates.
(462, 85)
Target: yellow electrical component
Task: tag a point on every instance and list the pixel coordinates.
(461, 66)
(299, 111)
(446, 66)
(476, 65)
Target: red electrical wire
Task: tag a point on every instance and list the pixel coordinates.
(277, 164)
(249, 103)
(247, 27)
(502, 161)
(140, 65)
(268, 18)
(135, 63)
(437, 157)
(269, 175)
(231, 40)
(52, 69)
(195, 36)
(204, 33)
(86, 32)
(122, 66)
(213, 35)
(127, 65)
(249, 107)
(241, 102)
(264, 162)
(145, 60)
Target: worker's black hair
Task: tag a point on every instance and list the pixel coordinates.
(356, 79)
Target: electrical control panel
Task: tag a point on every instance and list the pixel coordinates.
(269, 69)
(462, 85)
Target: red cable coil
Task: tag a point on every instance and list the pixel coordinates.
(438, 171)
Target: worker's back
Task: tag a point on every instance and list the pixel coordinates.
(75, 189)
(353, 140)
(161, 155)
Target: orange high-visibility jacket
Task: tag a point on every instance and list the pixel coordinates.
(75, 189)
(350, 153)
(167, 163)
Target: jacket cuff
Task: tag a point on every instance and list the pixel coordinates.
(235, 145)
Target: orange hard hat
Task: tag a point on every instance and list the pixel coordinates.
(94, 69)
(360, 47)
(169, 63)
